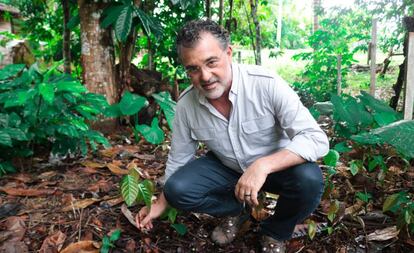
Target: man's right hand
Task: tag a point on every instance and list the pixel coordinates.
(146, 215)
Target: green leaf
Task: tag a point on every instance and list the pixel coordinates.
(333, 209)
(398, 134)
(11, 70)
(311, 229)
(74, 21)
(180, 228)
(106, 245)
(149, 23)
(111, 15)
(112, 111)
(68, 130)
(407, 217)
(18, 99)
(73, 86)
(364, 196)
(95, 136)
(332, 158)
(390, 202)
(342, 147)
(6, 168)
(47, 90)
(124, 22)
(167, 106)
(354, 167)
(129, 189)
(131, 103)
(5, 138)
(115, 235)
(153, 134)
(172, 214)
(16, 133)
(145, 192)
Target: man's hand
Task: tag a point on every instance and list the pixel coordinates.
(251, 182)
(145, 216)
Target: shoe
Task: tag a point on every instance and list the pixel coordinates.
(227, 231)
(271, 245)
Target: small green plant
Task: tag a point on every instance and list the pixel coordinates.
(131, 104)
(46, 108)
(402, 205)
(108, 242)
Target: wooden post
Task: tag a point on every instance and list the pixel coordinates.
(409, 83)
(239, 57)
(339, 71)
(373, 54)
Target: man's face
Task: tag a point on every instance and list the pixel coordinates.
(208, 66)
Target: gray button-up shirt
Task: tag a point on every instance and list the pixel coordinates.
(266, 116)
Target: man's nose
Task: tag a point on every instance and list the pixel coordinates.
(205, 74)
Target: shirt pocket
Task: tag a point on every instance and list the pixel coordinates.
(260, 131)
(208, 136)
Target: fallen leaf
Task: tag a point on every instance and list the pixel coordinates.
(17, 247)
(383, 234)
(93, 165)
(82, 247)
(112, 202)
(128, 215)
(80, 204)
(53, 243)
(130, 246)
(27, 192)
(22, 177)
(16, 229)
(116, 169)
(47, 175)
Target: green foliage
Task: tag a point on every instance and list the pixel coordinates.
(167, 106)
(332, 158)
(46, 108)
(108, 242)
(401, 204)
(134, 190)
(180, 228)
(398, 134)
(153, 134)
(363, 196)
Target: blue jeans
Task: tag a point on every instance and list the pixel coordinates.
(205, 185)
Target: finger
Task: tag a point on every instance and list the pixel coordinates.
(237, 192)
(253, 199)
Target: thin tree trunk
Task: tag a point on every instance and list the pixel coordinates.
(279, 24)
(250, 29)
(208, 8)
(253, 5)
(66, 37)
(221, 6)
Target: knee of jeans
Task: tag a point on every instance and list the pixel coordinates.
(174, 191)
(309, 180)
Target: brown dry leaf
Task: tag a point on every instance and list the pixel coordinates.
(93, 165)
(113, 201)
(110, 152)
(116, 169)
(82, 247)
(22, 177)
(355, 208)
(80, 204)
(17, 247)
(128, 215)
(53, 243)
(383, 234)
(47, 175)
(101, 186)
(130, 246)
(145, 156)
(27, 192)
(15, 229)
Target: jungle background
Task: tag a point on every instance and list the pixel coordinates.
(87, 97)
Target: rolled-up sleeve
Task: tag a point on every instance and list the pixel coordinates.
(307, 139)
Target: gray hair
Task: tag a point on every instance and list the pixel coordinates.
(190, 33)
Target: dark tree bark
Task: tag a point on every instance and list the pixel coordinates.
(208, 8)
(221, 7)
(397, 87)
(66, 37)
(258, 37)
(250, 29)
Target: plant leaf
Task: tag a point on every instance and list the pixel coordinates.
(124, 22)
(129, 189)
(332, 158)
(390, 202)
(145, 192)
(5, 138)
(153, 134)
(167, 106)
(180, 228)
(47, 90)
(131, 103)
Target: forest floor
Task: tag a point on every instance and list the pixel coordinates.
(70, 205)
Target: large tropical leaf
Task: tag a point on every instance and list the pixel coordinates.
(124, 22)
(167, 106)
(111, 15)
(5, 138)
(150, 24)
(16, 133)
(383, 114)
(11, 70)
(129, 189)
(145, 192)
(47, 91)
(131, 103)
(153, 134)
(70, 86)
(398, 134)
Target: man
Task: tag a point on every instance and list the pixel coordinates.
(260, 137)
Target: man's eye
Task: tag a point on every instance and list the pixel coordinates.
(212, 64)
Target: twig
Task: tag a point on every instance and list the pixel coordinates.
(80, 224)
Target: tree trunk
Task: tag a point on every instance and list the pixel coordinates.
(97, 56)
(279, 24)
(66, 37)
(253, 5)
(316, 9)
(221, 6)
(397, 87)
(208, 8)
(250, 29)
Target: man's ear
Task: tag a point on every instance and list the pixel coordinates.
(229, 51)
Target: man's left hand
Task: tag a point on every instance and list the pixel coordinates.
(249, 184)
